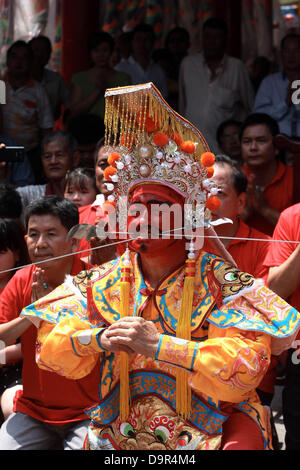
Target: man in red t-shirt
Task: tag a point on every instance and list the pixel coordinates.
(283, 260)
(49, 412)
(232, 186)
(270, 182)
(247, 246)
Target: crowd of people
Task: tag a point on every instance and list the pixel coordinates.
(60, 184)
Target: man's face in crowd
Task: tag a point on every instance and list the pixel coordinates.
(214, 43)
(18, 62)
(40, 51)
(232, 203)
(290, 54)
(230, 142)
(47, 238)
(100, 166)
(57, 159)
(258, 145)
(86, 154)
(178, 43)
(142, 44)
(101, 54)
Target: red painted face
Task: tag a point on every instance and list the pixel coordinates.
(155, 212)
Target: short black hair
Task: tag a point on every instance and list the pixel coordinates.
(224, 124)
(255, 119)
(12, 238)
(98, 38)
(64, 209)
(216, 23)
(180, 30)
(144, 28)
(43, 39)
(288, 36)
(10, 202)
(56, 135)
(239, 178)
(19, 44)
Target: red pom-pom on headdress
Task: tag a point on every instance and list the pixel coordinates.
(188, 146)
(161, 139)
(208, 159)
(213, 203)
(108, 172)
(113, 157)
(210, 171)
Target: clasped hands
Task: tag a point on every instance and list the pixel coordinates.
(131, 335)
(256, 200)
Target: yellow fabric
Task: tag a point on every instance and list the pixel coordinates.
(225, 360)
(239, 350)
(255, 306)
(55, 351)
(227, 366)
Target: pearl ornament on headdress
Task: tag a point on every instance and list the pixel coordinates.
(145, 151)
(145, 171)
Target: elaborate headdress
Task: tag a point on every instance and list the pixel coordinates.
(154, 144)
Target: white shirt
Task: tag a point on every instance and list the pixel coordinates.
(207, 101)
(153, 73)
(270, 99)
(27, 110)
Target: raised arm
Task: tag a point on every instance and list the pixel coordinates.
(13, 329)
(285, 279)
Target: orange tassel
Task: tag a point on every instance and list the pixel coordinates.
(183, 390)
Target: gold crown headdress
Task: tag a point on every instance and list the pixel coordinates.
(151, 143)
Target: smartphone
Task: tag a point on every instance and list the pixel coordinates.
(12, 154)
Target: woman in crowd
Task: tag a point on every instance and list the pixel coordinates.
(88, 86)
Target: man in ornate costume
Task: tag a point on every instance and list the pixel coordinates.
(181, 340)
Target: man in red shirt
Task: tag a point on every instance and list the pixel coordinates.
(59, 155)
(270, 182)
(247, 246)
(49, 412)
(232, 186)
(283, 259)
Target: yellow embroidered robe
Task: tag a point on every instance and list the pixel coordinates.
(236, 323)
